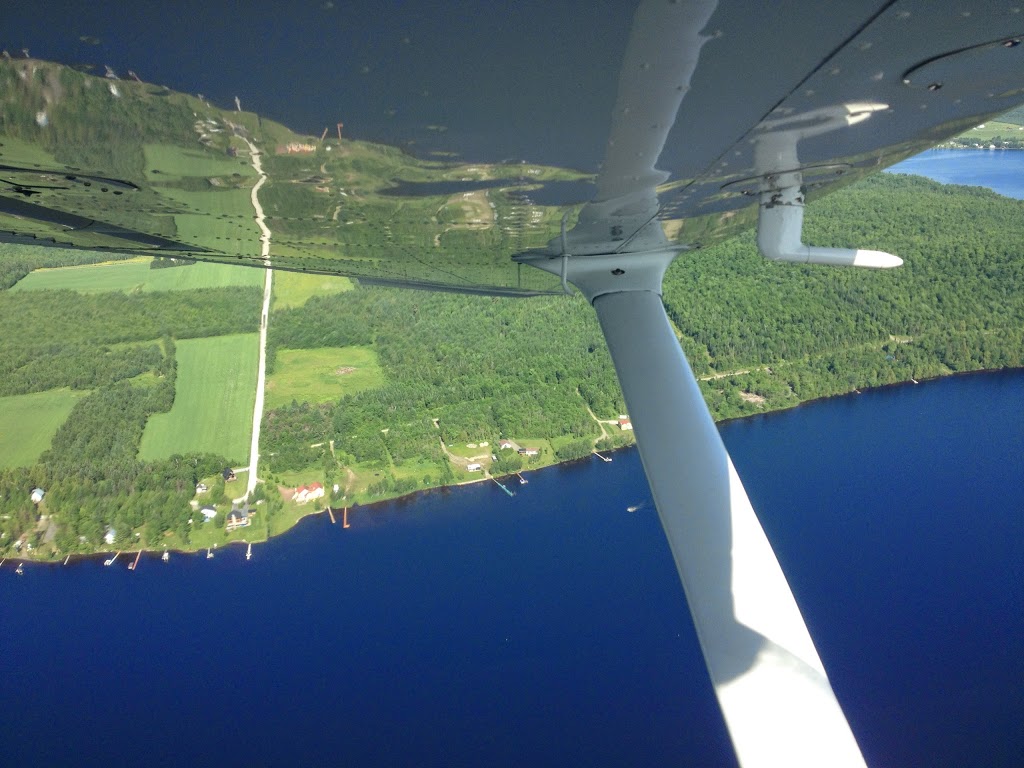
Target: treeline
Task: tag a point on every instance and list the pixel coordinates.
(58, 339)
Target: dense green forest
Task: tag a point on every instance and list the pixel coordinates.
(466, 369)
(780, 333)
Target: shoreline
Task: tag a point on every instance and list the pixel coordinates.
(104, 554)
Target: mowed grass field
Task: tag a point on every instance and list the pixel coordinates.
(293, 289)
(135, 275)
(29, 422)
(213, 403)
(321, 375)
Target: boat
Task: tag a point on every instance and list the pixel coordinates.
(20, 569)
(248, 552)
(165, 556)
(209, 554)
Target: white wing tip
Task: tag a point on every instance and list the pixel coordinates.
(876, 260)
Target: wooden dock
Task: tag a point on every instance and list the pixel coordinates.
(131, 566)
(113, 559)
(331, 512)
(506, 490)
(522, 480)
(345, 519)
(602, 458)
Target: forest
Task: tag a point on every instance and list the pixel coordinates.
(466, 369)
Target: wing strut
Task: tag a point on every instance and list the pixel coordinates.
(773, 691)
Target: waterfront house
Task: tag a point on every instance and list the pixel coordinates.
(474, 467)
(238, 517)
(529, 451)
(306, 493)
(209, 513)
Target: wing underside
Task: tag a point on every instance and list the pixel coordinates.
(77, 172)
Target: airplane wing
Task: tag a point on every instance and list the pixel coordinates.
(846, 88)
(723, 117)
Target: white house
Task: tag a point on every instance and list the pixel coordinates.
(208, 513)
(306, 493)
(109, 536)
(37, 495)
(201, 488)
(624, 422)
(474, 467)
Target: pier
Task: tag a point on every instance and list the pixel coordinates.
(131, 566)
(66, 559)
(248, 552)
(602, 458)
(331, 512)
(506, 490)
(111, 560)
(522, 480)
(345, 519)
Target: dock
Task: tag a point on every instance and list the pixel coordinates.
(522, 480)
(131, 566)
(506, 490)
(331, 512)
(66, 559)
(602, 458)
(111, 560)
(248, 552)
(345, 519)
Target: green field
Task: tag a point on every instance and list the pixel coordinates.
(992, 129)
(293, 289)
(134, 275)
(29, 422)
(213, 402)
(322, 375)
(173, 161)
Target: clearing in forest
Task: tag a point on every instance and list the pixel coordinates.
(321, 375)
(215, 393)
(29, 422)
(293, 289)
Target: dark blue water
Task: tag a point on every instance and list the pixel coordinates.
(472, 628)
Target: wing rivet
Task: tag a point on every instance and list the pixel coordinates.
(1011, 43)
(934, 87)
(618, 272)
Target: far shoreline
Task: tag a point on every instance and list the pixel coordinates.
(407, 497)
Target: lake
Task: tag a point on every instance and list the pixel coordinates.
(467, 627)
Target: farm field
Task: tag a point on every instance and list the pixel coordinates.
(213, 402)
(321, 375)
(293, 289)
(173, 161)
(134, 275)
(29, 422)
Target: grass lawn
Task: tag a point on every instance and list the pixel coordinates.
(29, 422)
(213, 403)
(992, 129)
(321, 375)
(174, 162)
(293, 289)
(135, 275)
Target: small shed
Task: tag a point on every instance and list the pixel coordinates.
(37, 495)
